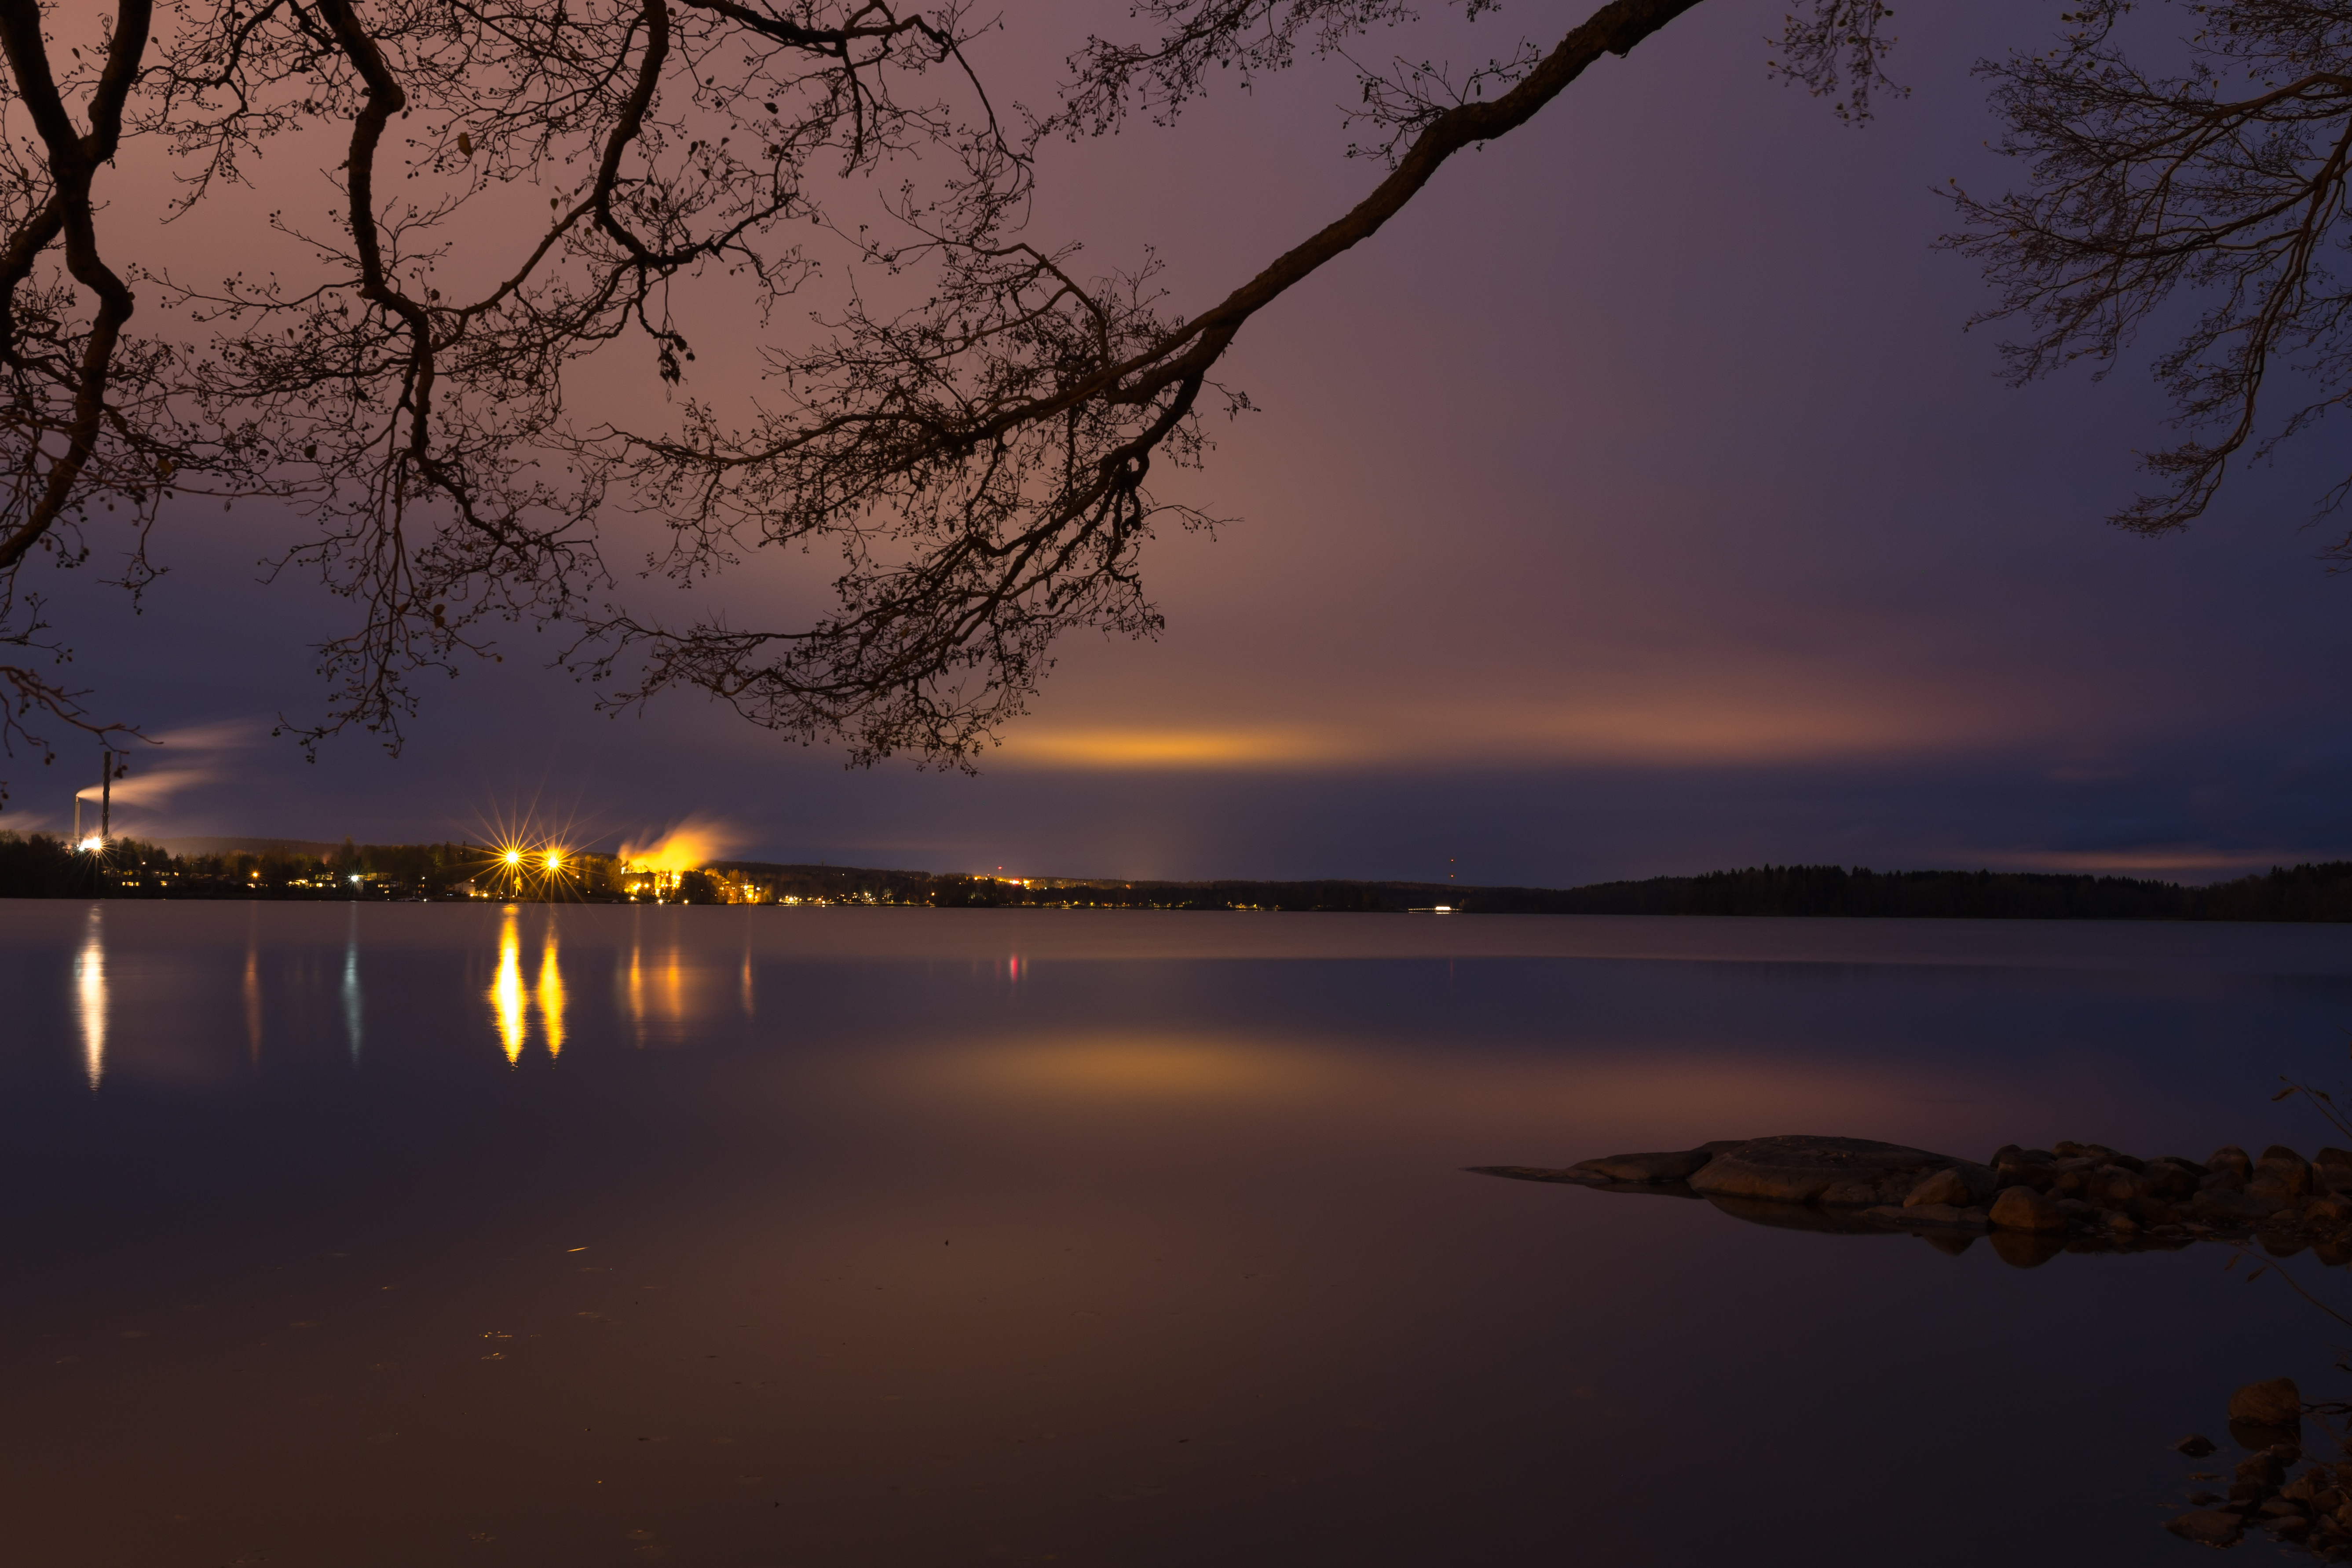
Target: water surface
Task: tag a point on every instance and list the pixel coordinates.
(394, 1234)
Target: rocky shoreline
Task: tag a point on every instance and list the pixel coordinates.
(2033, 1202)
(2312, 1509)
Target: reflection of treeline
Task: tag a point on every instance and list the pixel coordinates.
(2307, 892)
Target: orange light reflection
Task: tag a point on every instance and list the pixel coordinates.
(551, 995)
(506, 991)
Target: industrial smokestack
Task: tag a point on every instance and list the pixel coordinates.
(105, 795)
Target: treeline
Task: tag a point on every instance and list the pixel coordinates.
(2306, 892)
(43, 866)
(856, 885)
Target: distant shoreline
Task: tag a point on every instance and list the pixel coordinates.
(41, 866)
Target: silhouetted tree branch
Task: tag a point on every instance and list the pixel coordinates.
(2219, 186)
(980, 458)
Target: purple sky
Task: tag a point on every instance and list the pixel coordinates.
(1635, 503)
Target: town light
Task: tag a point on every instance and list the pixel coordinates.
(514, 857)
(92, 846)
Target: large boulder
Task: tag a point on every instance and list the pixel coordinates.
(1802, 1169)
(2281, 1164)
(1949, 1186)
(2277, 1402)
(2230, 1158)
(2023, 1208)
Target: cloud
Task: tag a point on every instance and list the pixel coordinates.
(1655, 727)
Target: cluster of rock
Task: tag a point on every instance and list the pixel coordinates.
(2313, 1509)
(2067, 1192)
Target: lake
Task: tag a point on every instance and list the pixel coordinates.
(346, 1235)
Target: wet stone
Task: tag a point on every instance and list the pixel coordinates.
(1663, 1167)
(2195, 1445)
(2262, 1470)
(2285, 1166)
(2207, 1527)
(2027, 1248)
(2221, 1204)
(2023, 1208)
(1947, 1188)
(2276, 1404)
(1798, 1169)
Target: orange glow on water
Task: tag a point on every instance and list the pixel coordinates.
(507, 1003)
(551, 995)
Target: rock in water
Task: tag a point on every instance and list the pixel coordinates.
(2207, 1527)
(2289, 1169)
(2222, 1205)
(2195, 1447)
(1947, 1186)
(2277, 1402)
(1800, 1169)
(2023, 1208)
(1676, 1166)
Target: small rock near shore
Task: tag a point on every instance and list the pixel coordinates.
(2207, 1527)
(2230, 1158)
(2277, 1402)
(2195, 1445)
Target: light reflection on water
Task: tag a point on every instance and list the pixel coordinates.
(90, 994)
(550, 993)
(507, 1002)
(352, 999)
(1102, 1240)
(251, 990)
(511, 1003)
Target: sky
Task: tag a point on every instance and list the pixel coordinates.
(1636, 504)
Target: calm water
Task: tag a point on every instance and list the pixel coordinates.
(410, 1235)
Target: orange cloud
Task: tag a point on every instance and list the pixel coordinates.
(1679, 727)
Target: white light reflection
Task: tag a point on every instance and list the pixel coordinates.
(253, 985)
(352, 985)
(747, 963)
(90, 994)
